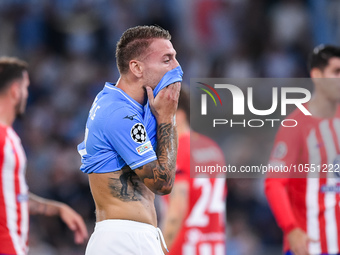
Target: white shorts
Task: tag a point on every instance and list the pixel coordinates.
(124, 237)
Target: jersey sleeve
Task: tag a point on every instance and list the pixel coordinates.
(276, 193)
(126, 133)
(286, 151)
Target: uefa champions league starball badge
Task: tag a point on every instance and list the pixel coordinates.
(138, 133)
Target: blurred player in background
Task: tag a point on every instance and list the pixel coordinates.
(16, 202)
(308, 209)
(195, 219)
(125, 170)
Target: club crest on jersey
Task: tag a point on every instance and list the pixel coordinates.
(22, 198)
(138, 133)
(334, 169)
(144, 148)
(280, 150)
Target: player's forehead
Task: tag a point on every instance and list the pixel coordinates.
(160, 47)
(334, 62)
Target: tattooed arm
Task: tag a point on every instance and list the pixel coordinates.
(159, 175)
(39, 205)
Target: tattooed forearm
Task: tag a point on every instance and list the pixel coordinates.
(167, 145)
(161, 177)
(166, 152)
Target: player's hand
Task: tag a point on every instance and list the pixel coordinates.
(298, 241)
(164, 105)
(75, 222)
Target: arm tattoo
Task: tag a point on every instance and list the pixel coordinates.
(167, 145)
(163, 174)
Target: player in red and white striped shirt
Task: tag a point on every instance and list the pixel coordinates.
(195, 220)
(308, 208)
(15, 200)
(13, 194)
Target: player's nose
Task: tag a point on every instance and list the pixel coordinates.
(175, 63)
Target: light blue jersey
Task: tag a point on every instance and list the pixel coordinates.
(118, 128)
(115, 135)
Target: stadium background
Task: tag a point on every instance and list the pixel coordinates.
(70, 45)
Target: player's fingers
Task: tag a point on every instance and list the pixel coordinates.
(174, 90)
(150, 95)
(167, 92)
(72, 225)
(68, 221)
(76, 223)
(80, 231)
(82, 228)
(170, 90)
(178, 88)
(78, 237)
